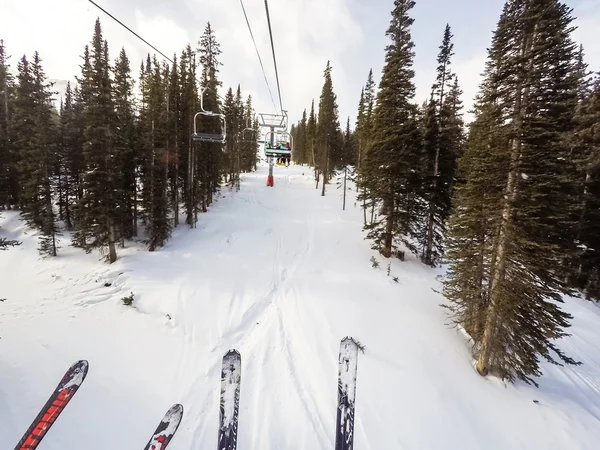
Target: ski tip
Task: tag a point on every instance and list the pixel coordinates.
(176, 409)
(73, 378)
(79, 368)
(82, 363)
(232, 352)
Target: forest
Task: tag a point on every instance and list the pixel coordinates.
(117, 160)
(509, 204)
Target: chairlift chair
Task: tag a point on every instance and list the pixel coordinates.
(274, 150)
(209, 137)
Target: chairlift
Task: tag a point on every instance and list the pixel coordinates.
(281, 147)
(209, 137)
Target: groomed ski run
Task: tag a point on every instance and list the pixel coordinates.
(282, 275)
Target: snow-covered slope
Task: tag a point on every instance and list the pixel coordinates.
(281, 274)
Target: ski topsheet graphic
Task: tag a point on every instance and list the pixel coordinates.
(166, 429)
(347, 365)
(55, 405)
(231, 373)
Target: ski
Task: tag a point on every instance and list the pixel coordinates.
(231, 373)
(347, 365)
(166, 428)
(62, 395)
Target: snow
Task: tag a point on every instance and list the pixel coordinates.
(282, 275)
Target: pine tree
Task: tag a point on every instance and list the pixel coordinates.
(360, 129)
(369, 105)
(300, 154)
(514, 220)
(390, 171)
(249, 138)
(155, 162)
(311, 136)
(8, 188)
(34, 122)
(209, 166)
(173, 136)
(443, 143)
(587, 148)
(230, 112)
(71, 154)
(347, 159)
(126, 146)
(188, 108)
(328, 130)
(98, 216)
(364, 129)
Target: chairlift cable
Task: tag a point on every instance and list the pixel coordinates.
(142, 39)
(273, 49)
(258, 54)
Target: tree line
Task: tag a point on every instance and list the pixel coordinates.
(510, 204)
(116, 162)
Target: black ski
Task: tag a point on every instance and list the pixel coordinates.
(166, 429)
(60, 398)
(231, 373)
(347, 365)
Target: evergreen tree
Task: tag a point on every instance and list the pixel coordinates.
(347, 159)
(8, 177)
(155, 162)
(391, 167)
(514, 217)
(369, 104)
(230, 111)
(249, 138)
(328, 130)
(364, 129)
(209, 164)
(443, 142)
(189, 106)
(98, 216)
(300, 154)
(174, 138)
(126, 145)
(587, 151)
(311, 135)
(35, 143)
(360, 129)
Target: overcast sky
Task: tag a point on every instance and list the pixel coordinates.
(307, 33)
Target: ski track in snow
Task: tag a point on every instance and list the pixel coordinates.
(282, 275)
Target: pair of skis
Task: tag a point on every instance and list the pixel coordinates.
(231, 369)
(62, 395)
(230, 397)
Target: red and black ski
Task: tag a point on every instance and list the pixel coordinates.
(55, 405)
(166, 429)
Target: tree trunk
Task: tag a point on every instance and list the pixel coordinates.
(326, 170)
(344, 197)
(112, 251)
(386, 251)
